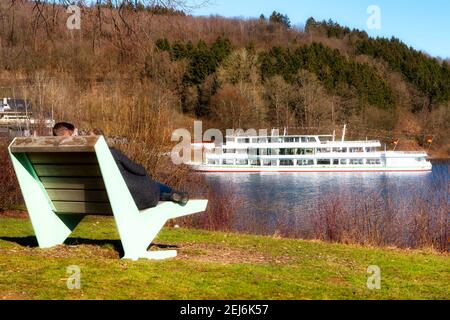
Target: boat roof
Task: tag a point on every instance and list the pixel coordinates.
(276, 136)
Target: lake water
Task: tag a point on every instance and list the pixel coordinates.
(264, 199)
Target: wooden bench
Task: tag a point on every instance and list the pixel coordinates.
(63, 179)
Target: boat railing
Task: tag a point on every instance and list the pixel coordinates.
(405, 152)
(353, 141)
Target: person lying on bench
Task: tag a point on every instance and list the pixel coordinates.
(145, 191)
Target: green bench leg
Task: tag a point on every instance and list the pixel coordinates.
(49, 229)
(148, 224)
(137, 229)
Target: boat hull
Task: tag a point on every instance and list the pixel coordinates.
(205, 168)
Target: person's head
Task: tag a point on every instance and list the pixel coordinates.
(64, 129)
(96, 132)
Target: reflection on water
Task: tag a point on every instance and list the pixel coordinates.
(265, 197)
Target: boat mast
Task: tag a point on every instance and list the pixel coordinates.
(343, 132)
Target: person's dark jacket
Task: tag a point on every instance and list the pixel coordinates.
(144, 190)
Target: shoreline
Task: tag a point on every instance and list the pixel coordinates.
(22, 215)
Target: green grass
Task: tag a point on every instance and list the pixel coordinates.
(212, 265)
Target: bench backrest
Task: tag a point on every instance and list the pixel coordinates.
(68, 170)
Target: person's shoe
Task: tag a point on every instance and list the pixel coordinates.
(180, 197)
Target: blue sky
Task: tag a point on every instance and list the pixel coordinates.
(424, 25)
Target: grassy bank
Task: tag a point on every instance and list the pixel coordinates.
(211, 266)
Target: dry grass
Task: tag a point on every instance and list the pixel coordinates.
(10, 194)
(222, 211)
(419, 220)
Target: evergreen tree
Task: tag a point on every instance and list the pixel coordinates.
(163, 44)
(427, 74)
(281, 19)
(310, 24)
(331, 68)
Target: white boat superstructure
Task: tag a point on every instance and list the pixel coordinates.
(306, 153)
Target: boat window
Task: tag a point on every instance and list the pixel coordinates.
(243, 140)
(357, 161)
(263, 151)
(304, 151)
(242, 151)
(242, 162)
(373, 161)
(304, 139)
(229, 150)
(340, 150)
(228, 162)
(270, 163)
(323, 161)
(256, 162)
(286, 162)
(253, 151)
(286, 152)
(275, 139)
(325, 139)
(311, 139)
(262, 140)
(343, 161)
(336, 162)
(356, 149)
(323, 150)
(274, 152)
(305, 162)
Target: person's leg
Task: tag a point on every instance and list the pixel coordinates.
(166, 193)
(163, 189)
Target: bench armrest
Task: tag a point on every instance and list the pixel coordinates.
(173, 210)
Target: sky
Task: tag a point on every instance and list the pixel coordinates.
(422, 24)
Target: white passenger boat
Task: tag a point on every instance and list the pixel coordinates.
(307, 153)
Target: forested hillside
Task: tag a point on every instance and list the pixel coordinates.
(141, 70)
